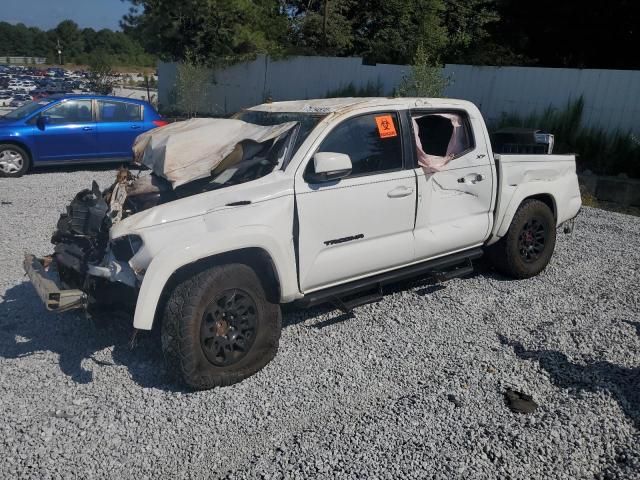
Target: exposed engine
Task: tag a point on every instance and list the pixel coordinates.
(81, 238)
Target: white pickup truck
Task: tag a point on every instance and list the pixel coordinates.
(306, 201)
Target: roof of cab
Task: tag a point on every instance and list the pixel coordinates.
(339, 105)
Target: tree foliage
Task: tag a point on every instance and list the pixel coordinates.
(78, 45)
(481, 32)
(212, 31)
(425, 78)
(101, 78)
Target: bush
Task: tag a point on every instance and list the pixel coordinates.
(599, 151)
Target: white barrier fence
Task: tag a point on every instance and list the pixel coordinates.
(612, 97)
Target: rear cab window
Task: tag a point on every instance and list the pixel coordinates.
(441, 137)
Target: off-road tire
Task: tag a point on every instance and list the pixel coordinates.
(26, 160)
(506, 256)
(183, 318)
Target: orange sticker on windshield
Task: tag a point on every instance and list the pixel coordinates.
(386, 127)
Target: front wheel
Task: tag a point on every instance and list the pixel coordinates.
(14, 161)
(219, 328)
(526, 249)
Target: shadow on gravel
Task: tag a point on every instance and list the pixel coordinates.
(634, 324)
(26, 328)
(621, 382)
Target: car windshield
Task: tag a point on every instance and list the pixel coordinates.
(27, 109)
(307, 121)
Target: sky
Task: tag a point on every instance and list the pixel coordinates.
(47, 14)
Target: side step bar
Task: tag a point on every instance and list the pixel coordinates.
(444, 268)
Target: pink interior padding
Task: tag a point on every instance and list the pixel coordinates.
(457, 144)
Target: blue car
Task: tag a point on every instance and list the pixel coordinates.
(65, 129)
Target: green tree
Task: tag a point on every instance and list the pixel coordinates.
(322, 27)
(79, 46)
(70, 37)
(425, 78)
(467, 23)
(191, 93)
(389, 31)
(101, 79)
(213, 31)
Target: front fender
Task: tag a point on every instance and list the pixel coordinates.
(270, 231)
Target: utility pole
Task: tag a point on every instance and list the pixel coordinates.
(59, 48)
(325, 21)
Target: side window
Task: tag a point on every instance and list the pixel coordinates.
(372, 141)
(443, 134)
(71, 111)
(119, 111)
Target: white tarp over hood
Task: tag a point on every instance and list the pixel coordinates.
(186, 151)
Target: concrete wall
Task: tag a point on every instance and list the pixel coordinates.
(621, 190)
(612, 97)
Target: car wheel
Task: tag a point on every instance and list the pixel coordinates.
(526, 249)
(219, 327)
(14, 161)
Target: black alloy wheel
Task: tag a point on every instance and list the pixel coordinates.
(228, 328)
(532, 240)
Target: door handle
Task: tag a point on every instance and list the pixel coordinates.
(400, 192)
(471, 179)
(136, 127)
(86, 129)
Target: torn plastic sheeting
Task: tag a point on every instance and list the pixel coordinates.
(186, 151)
(435, 163)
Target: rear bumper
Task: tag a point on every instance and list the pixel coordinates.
(49, 288)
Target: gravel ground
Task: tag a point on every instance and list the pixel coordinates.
(411, 387)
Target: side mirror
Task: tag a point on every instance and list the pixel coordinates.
(330, 166)
(42, 121)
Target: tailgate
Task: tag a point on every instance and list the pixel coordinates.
(47, 284)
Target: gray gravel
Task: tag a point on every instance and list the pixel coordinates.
(411, 387)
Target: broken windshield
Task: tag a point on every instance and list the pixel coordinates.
(307, 121)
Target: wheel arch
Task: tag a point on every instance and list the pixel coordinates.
(516, 201)
(545, 198)
(255, 258)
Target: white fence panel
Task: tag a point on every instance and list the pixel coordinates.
(612, 97)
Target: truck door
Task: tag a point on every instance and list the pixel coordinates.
(363, 223)
(455, 202)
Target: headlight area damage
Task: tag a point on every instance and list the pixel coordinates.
(87, 267)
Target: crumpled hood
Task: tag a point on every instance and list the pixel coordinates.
(273, 185)
(186, 151)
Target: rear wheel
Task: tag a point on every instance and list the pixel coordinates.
(14, 161)
(219, 328)
(527, 247)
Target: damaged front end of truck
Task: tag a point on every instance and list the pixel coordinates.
(93, 267)
(86, 268)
